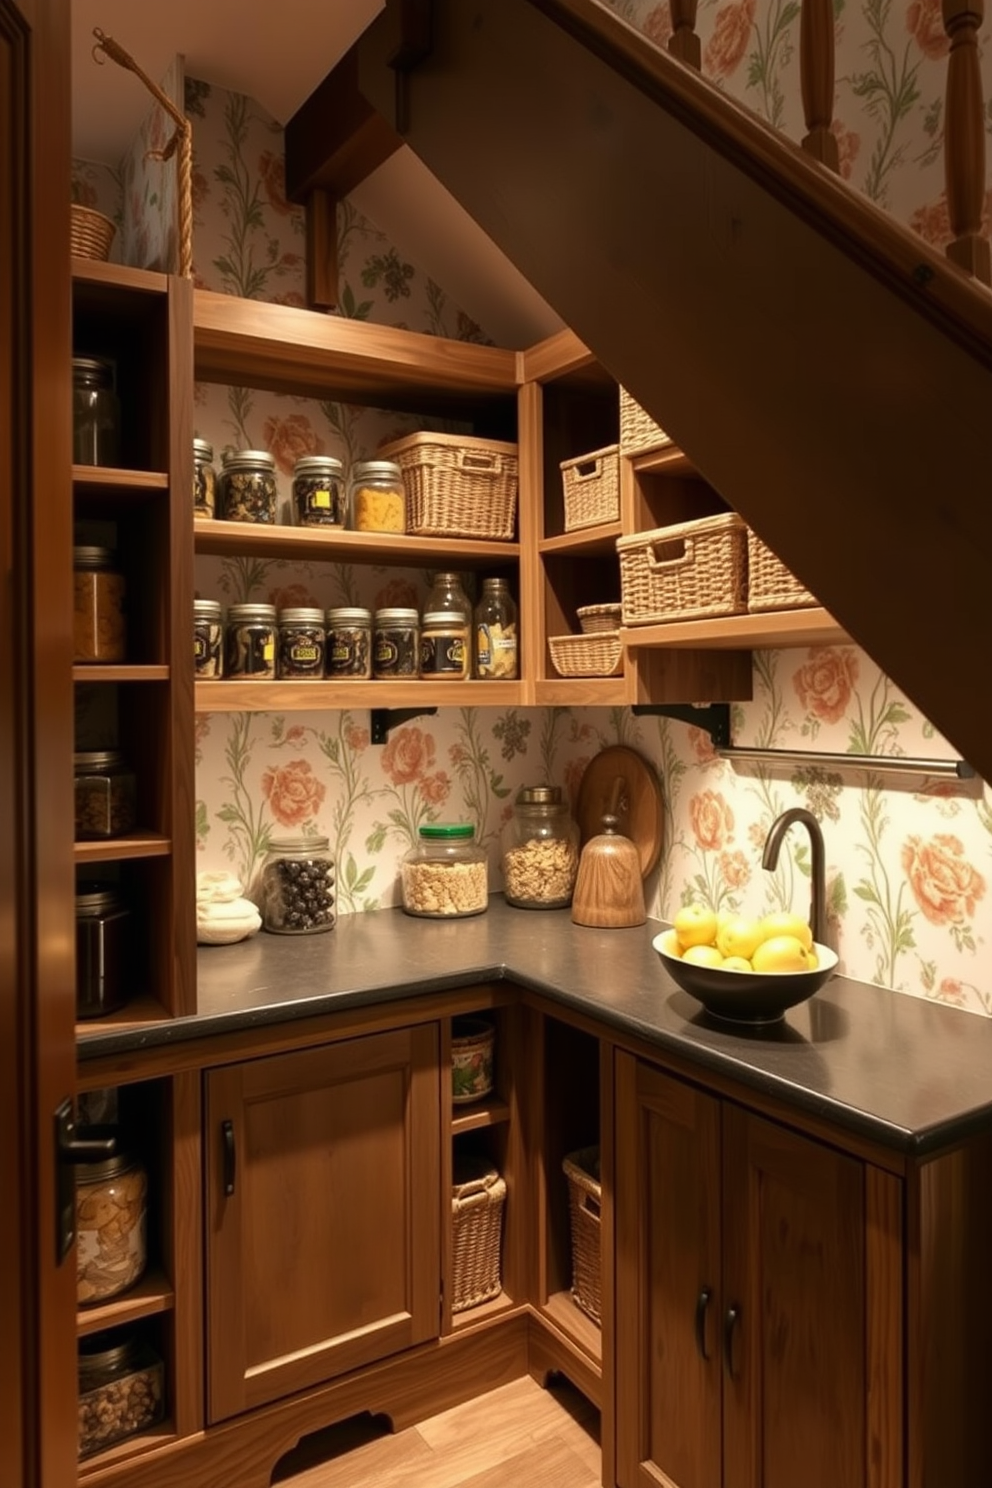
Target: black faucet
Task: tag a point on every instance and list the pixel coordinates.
(818, 885)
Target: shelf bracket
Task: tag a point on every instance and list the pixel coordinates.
(713, 717)
(381, 720)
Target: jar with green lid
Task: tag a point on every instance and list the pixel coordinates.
(444, 646)
(204, 479)
(445, 875)
(297, 886)
(121, 1388)
(96, 413)
(111, 1223)
(539, 850)
(318, 491)
(99, 629)
(349, 642)
(208, 638)
(377, 497)
(105, 794)
(496, 641)
(301, 643)
(103, 923)
(396, 643)
(248, 486)
(250, 637)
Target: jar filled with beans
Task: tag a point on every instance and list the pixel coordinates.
(121, 1388)
(297, 886)
(446, 874)
(540, 850)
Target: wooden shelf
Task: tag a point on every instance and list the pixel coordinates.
(484, 1313)
(575, 1324)
(134, 845)
(137, 1013)
(583, 692)
(492, 1112)
(669, 460)
(90, 479)
(232, 695)
(812, 627)
(232, 539)
(588, 540)
(131, 1446)
(119, 672)
(151, 1295)
(93, 271)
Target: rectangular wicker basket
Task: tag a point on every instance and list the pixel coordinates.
(477, 1198)
(594, 655)
(591, 488)
(770, 585)
(457, 485)
(691, 570)
(638, 430)
(581, 1168)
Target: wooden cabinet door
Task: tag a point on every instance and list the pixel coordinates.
(668, 1281)
(323, 1204)
(795, 1392)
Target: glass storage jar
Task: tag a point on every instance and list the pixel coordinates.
(96, 413)
(111, 1223)
(301, 643)
(297, 886)
(105, 794)
(121, 1388)
(204, 479)
(250, 642)
(99, 628)
(396, 643)
(318, 491)
(496, 643)
(248, 486)
(539, 850)
(377, 497)
(208, 638)
(445, 646)
(349, 642)
(446, 874)
(103, 923)
(447, 594)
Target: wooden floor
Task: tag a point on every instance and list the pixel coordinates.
(514, 1437)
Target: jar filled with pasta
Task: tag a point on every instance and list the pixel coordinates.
(111, 1223)
(377, 497)
(496, 642)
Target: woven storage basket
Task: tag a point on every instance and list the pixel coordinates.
(591, 487)
(90, 233)
(584, 1198)
(457, 486)
(593, 618)
(598, 655)
(477, 1198)
(638, 430)
(691, 570)
(770, 585)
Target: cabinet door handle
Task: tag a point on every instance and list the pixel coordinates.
(702, 1303)
(730, 1322)
(227, 1136)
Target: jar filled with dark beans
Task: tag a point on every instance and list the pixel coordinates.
(301, 643)
(297, 893)
(248, 486)
(121, 1388)
(349, 642)
(104, 794)
(318, 491)
(250, 642)
(396, 643)
(208, 638)
(204, 479)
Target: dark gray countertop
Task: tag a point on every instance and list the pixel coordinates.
(899, 1070)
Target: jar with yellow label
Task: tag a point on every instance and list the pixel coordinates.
(318, 497)
(444, 646)
(376, 497)
(250, 642)
(302, 641)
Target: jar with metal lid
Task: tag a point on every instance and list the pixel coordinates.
(349, 642)
(539, 850)
(301, 643)
(96, 413)
(204, 479)
(445, 875)
(248, 486)
(318, 491)
(496, 642)
(396, 643)
(103, 923)
(444, 646)
(121, 1388)
(111, 1223)
(250, 642)
(105, 794)
(377, 497)
(297, 886)
(99, 628)
(208, 638)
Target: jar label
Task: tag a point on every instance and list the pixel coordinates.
(301, 653)
(349, 653)
(443, 655)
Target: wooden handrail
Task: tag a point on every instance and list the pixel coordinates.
(683, 42)
(964, 139)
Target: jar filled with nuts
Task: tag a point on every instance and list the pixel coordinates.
(540, 850)
(120, 1388)
(111, 1222)
(297, 892)
(445, 875)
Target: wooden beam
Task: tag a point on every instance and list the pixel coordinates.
(322, 250)
(336, 138)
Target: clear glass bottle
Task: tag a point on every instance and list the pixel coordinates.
(539, 850)
(302, 642)
(204, 479)
(248, 486)
(96, 413)
(103, 924)
(250, 642)
(349, 642)
(447, 594)
(121, 1388)
(297, 886)
(111, 1223)
(318, 491)
(377, 497)
(396, 643)
(99, 627)
(208, 638)
(496, 641)
(445, 875)
(105, 794)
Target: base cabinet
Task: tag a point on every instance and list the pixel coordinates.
(323, 1213)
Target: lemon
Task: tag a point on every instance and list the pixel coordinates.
(695, 925)
(738, 936)
(780, 953)
(784, 923)
(703, 955)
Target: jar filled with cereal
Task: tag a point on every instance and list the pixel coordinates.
(111, 1224)
(445, 875)
(99, 628)
(377, 497)
(540, 850)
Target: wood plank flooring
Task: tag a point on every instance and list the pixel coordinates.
(513, 1437)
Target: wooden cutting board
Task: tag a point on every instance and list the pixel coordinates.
(640, 809)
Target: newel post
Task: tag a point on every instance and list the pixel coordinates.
(683, 42)
(816, 71)
(964, 139)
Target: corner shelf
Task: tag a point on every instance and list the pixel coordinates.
(492, 1112)
(561, 1309)
(148, 1297)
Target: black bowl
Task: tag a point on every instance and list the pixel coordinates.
(747, 996)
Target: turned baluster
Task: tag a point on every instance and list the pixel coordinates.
(683, 42)
(964, 139)
(816, 71)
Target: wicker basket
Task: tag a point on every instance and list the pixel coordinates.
(591, 487)
(477, 1198)
(584, 1198)
(691, 570)
(457, 486)
(593, 618)
(770, 585)
(90, 233)
(599, 655)
(638, 430)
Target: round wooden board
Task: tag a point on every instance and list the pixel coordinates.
(641, 814)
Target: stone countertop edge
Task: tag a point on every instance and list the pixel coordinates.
(898, 1070)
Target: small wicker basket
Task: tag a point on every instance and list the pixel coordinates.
(91, 234)
(598, 655)
(457, 486)
(581, 1168)
(638, 430)
(477, 1197)
(591, 488)
(689, 571)
(770, 585)
(593, 618)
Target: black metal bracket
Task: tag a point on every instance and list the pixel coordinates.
(713, 717)
(381, 720)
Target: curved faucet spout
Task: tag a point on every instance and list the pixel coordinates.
(818, 886)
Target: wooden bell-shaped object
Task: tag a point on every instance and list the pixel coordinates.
(609, 891)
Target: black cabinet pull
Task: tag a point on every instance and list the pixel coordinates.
(729, 1328)
(227, 1134)
(702, 1304)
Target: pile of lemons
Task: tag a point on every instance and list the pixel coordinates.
(777, 942)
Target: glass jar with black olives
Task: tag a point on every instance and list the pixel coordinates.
(297, 886)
